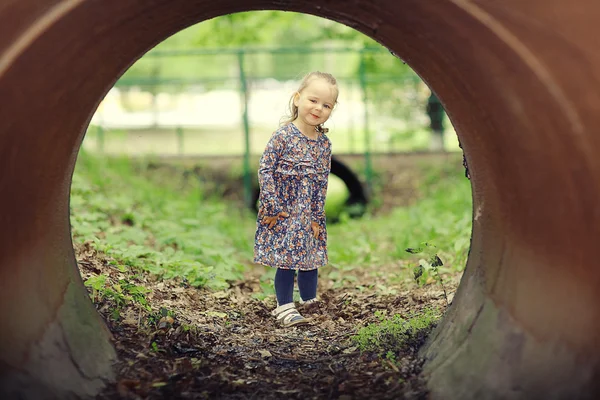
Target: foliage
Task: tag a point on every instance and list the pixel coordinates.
(432, 262)
(391, 334)
(442, 216)
(156, 229)
(121, 293)
(270, 28)
(156, 225)
(266, 29)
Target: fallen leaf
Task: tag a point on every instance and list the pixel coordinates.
(265, 353)
(215, 314)
(165, 322)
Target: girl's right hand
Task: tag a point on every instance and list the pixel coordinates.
(316, 229)
(271, 221)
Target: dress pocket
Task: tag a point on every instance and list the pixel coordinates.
(281, 227)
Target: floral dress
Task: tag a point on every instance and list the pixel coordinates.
(293, 175)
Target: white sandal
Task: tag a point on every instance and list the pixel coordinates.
(310, 306)
(287, 315)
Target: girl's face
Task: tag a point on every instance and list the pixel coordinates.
(315, 102)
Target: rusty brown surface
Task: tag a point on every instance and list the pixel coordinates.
(520, 80)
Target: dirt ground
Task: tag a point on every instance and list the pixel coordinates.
(197, 344)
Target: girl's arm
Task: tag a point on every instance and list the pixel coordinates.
(269, 203)
(320, 190)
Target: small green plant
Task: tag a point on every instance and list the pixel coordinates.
(134, 293)
(120, 293)
(390, 335)
(391, 356)
(431, 262)
(98, 284)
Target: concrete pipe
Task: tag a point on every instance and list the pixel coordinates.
(520, 80)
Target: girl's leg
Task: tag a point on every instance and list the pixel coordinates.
(286, 312)
(307, 284)
(284, 286)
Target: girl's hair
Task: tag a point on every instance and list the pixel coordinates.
(293, 110)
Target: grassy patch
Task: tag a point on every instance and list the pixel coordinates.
(166, 232)
(377, 244)
(169, 230)
(392, 335)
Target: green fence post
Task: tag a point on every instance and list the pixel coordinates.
(363, 86)
(351, 144)
(154, 78)
(246, 126)
(100, 133)
(180, 147)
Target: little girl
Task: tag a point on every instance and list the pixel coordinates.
(294, 168)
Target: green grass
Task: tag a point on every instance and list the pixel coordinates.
(157, 229)
(442, 218)
(391, 333)
(171, 232)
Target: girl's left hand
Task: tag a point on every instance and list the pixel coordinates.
(271, 221)
(316, 229)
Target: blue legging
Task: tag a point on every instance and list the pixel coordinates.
(284, 285)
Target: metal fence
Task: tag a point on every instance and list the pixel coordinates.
(229, 101)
